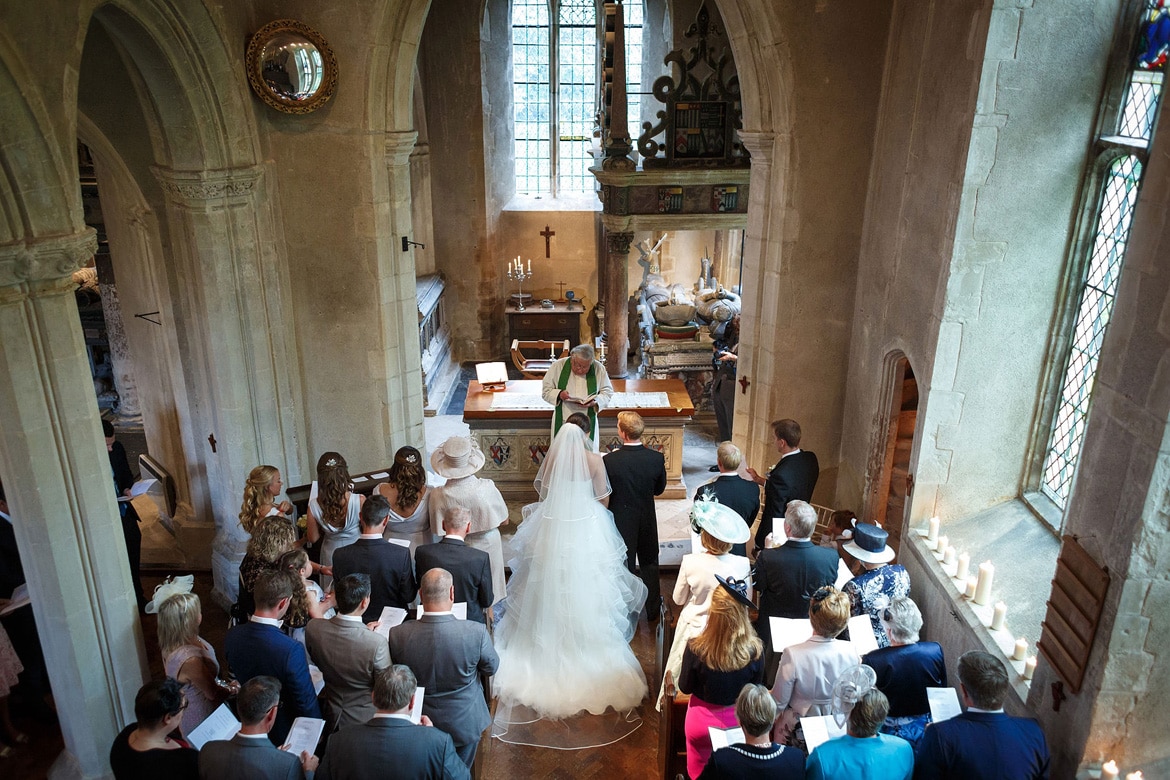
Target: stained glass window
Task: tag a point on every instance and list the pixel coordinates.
(1115, 201)
(554, 108)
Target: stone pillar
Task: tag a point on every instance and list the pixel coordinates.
(57, 480)
(129, 410)
(420, 209)
(231, 317)
(617, 295)
(761, 319)
(398, 302)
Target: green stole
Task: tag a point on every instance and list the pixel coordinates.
(590, 386)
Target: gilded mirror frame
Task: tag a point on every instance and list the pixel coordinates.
(271, 96)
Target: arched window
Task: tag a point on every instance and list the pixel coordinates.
(555, 108)
(1117, 179)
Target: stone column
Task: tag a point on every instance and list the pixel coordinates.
(57, 480)
(398, 303)
(617, 295)
(231, 317)
(129, 410)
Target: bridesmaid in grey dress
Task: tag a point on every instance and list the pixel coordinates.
(409, 499)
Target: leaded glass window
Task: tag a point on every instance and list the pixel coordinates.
(555, 107)
(1115, 201)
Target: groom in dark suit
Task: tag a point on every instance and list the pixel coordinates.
(793, 477)
(636, 475)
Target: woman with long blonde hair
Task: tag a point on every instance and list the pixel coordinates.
(716, 664)
(271, 538)
(335, 512)
(189, 658)
(408, 496)
(261, 490)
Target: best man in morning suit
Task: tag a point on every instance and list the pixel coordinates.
(636, 475)
(983, 741)
(471, 569)
(392, 582)
(449, 658)
(740, 495)
(793, 477)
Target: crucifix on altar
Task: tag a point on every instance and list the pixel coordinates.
(548, 234)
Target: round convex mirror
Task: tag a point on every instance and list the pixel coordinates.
(291, 67)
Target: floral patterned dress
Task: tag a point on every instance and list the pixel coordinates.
(870, 593)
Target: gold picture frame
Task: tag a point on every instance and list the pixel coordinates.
(291, 67)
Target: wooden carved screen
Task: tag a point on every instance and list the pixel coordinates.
(1074, 610)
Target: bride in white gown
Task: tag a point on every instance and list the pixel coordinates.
(572, 606)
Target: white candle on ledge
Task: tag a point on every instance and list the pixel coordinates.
(1134, 776)
(1021, 652)
(949, 555)
(941, 544)
(1029, 668)
(1109, 771)
(970, 591)
(932, 532)
(997, 617)
(963, 566)
(530, 265)
(983, 588)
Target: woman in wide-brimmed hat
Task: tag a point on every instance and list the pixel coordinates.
(458, 459)
(719, 528)
(881, 582)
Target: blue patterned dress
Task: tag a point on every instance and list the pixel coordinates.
(870, 593)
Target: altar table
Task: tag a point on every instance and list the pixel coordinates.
(515, 440)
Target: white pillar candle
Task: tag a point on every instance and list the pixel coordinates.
(1029, 668)
(941, 544)
(530, 265)
(1109, 771)
(998, 615)
(971, 584)
(949, 555)
(1134, 776)
(983, 588)
(932, 532)
(963, 566)
(1021, 650)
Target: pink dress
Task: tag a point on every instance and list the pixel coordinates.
(10, 665)
(198, 705)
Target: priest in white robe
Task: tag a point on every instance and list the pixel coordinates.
(578, 383)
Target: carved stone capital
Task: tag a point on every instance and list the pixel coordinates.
(758, 144)
(43, 259)
(399, 146)
(618, 243)
(190, 187)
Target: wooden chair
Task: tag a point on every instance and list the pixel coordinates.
(824, 515)
(537, 367)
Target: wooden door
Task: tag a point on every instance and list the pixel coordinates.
(894, 484)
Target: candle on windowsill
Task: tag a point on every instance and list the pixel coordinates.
(1109, 771)
(932, 532)
(941, 544)
(949, 555)
(972, 583)
(983, 588)
(963, 566)
(1021, 652)
(1134, 776)
(1029, 668)
(998, 615)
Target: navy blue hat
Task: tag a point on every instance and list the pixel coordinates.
(869, 544)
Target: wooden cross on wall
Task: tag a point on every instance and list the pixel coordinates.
(548, 234)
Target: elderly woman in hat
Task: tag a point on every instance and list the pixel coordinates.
(719, 528)
(458, 459)
(882, 581)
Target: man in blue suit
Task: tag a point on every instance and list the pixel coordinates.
(983, 741)
(259, 647)
(389, 746)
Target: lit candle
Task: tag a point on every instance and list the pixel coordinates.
(1109, 771)
(998, 615)
(971, 584)
(932, 532)
(1134, 776)
(963, 565)
(530, 265)
(1021, 650)
(941, 544)
(983, 588)
(949, 555)
(1029, 668)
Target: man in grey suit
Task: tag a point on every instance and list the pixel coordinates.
(471, 569)
(348, 654)
(249, 755)
(449, 657)
(389, 746)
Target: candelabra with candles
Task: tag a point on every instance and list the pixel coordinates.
(518, 274)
